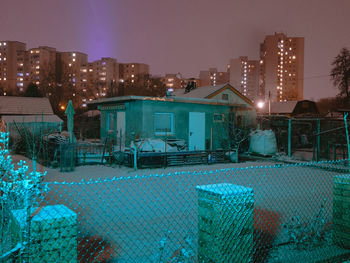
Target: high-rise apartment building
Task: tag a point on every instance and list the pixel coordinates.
(173, 81)
(244, 76)
(41, 64)
(131, 71)
(212, 77)
(10, 51)
(282, 67)
(99, 77)
(69, 66)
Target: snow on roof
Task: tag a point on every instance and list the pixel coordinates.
(31, 118)
(172, 98)
(283, 106)
(200, 92)
(207, 92)
(92, 113)
(224, 189)
(24, 105)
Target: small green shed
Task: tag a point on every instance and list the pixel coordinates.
(202, 123)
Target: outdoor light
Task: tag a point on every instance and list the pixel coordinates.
(260, 104)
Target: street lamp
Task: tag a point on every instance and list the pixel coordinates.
(260, 104)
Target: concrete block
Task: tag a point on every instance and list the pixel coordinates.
(225, 223)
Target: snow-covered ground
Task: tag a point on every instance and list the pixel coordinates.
(134, 210)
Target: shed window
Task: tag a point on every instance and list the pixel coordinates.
(224, 96)
(218, 117)
(163, 123)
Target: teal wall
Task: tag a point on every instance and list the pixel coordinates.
(139, 120)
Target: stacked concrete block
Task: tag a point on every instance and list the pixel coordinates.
(341, 210)
(225, 223)
(53, 232)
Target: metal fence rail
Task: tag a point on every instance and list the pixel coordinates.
(287, 216)
(164, 159)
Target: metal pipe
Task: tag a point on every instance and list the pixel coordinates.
(289, 137)
(318, 141)
(347, 136)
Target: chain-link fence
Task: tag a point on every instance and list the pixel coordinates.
(280, 213)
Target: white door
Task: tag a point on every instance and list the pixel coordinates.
(196, 136)
(121, 127)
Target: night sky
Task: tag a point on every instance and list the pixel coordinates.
(183, 35)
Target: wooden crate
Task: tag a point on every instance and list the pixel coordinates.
(341, 210)
(53, 232)
(225, 223)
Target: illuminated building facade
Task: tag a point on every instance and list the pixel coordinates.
(173, 81)
(70, 64)
(41, 64)
(282, 68)
(244, 76)
(131, 71)
(10, 54)
(212, 77)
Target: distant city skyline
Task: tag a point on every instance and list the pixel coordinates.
(183, 36)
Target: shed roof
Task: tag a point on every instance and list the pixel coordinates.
(169, 99)
(11, 105)
(283, 106)
(208, 92)
(31, 118)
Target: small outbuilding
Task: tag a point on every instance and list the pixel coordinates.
(36, 114)
(294, 108)
(202, 123)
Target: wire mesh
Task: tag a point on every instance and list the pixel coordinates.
(279, 213)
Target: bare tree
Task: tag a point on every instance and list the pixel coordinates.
(340, 73)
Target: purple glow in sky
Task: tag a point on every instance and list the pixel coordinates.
(183, 35)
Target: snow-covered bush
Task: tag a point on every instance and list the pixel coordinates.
(183, 253)
(16, 181)
(309, 234)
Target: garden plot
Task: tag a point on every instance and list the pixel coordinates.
(134, 213)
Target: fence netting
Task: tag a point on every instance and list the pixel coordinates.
(279, 213)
